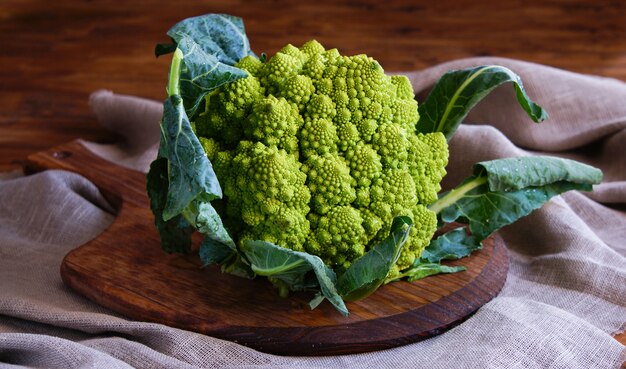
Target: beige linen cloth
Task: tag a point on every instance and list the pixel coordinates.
(564, 297)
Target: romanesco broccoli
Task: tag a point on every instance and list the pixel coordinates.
(318, 152)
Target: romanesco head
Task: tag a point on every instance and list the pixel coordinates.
(318, 152)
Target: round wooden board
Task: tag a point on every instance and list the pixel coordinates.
(125, 270)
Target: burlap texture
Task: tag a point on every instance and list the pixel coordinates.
(564, 296)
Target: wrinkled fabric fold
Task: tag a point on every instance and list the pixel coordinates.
(565, 293)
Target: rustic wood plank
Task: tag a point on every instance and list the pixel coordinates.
(125, 270)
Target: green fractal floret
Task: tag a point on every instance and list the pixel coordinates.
(328, 178)
(298, 90)
(312, 47)
(211, 147)
(427, 160)
(250, 64)
(318, 152)
(339, 237)
(364, 163)
(318, 137)
(320, 107)
(274, 122)
(404, 90)
(391, 143)
(280, 68)
(405, 113)
(226, 108)
(269, 191)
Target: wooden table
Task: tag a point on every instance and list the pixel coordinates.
(54, 53)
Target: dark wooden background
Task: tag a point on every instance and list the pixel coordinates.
(54, 53)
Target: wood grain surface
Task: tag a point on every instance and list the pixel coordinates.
(53, 54)
(125, 270)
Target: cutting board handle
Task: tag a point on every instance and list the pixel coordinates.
(117, 184)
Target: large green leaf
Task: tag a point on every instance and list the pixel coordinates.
(190, 174)
(486, 211)
(531, 171)
(220, 35)
(291, 269)
(368, 272)
(458, 91)
(505, 190)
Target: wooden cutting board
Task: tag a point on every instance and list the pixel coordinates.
(125, 270)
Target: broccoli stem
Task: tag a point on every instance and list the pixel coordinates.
(173, 86)
(453, 196)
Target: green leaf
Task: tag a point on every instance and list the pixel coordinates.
(220, 35)
(176, 232)
(532, 171)
(292, 269)
(368, 272)
(452, 245)
(217, 246)
(486, 211)
(458, 91)
(209, 223)
(212, 252)
(505, 190)
(421, 270)
(201, 73)
(190, 174)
